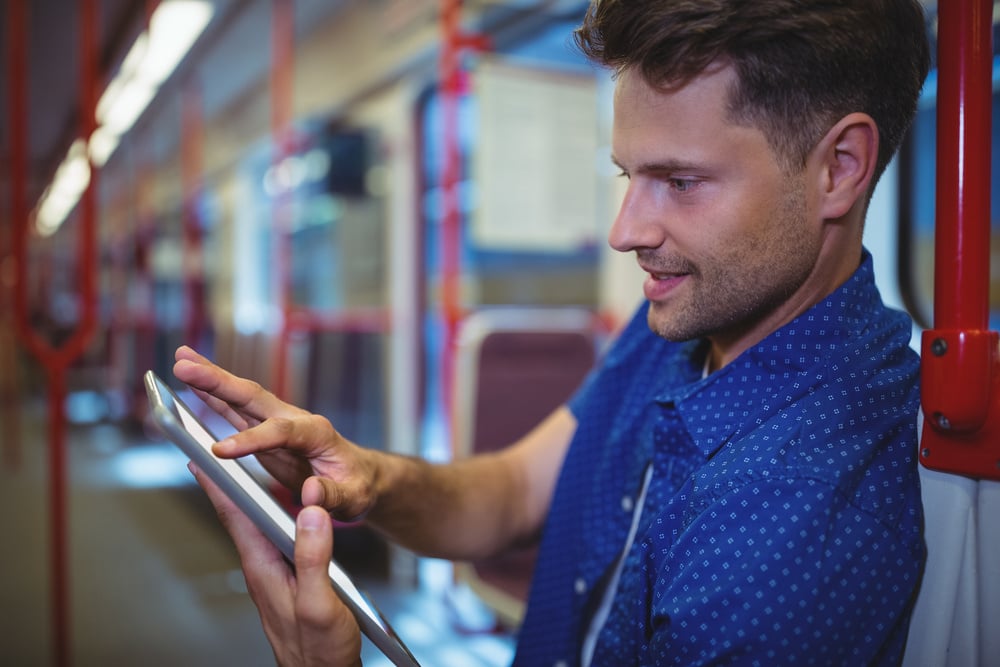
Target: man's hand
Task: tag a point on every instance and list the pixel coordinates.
(464, 510)
(291, 443)
(304, 620)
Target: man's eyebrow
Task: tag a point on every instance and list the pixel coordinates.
(659, 167)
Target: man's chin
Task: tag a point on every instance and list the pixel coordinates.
(667, 325)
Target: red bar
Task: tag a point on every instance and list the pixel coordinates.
(144, 229)
(451, 223)
(452, 86)
(87, 243)
(56, 360)
(282, 53)
(17, 28)
(192, 142)
(960, 364)
(58, 523)
(963, 163)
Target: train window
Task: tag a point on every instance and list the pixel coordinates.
(917, 197)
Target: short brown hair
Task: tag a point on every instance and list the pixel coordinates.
(802, 65)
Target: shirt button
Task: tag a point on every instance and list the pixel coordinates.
(561, 663)
(580, 586)
(627, 503)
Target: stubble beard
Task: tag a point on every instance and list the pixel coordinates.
(737, 288)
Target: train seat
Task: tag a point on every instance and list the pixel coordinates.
(957, 612)
(513, 366)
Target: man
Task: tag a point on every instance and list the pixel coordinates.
(737, 482)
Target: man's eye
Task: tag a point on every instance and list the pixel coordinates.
(681, 184)
(623, 174)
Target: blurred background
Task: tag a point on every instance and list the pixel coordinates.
(342, 200)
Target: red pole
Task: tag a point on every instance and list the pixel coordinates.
(282, 47)
(56, 360)
(139, 271)
(451, 223)
(17, 29)
(963, 166)
(58, 524)
(960, 365)
(10, 372)
(87, 244)
(59, 361)
(191, 165)
(453, 43)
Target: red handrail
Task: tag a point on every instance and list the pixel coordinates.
(451, 233)
(454, 42)
(55, 359)
(17, 88)
(192, 145)
(960, 366)
(282, 138)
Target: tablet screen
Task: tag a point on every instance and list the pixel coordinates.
(180, 424)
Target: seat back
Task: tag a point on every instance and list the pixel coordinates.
(513, 367)
(957, 612)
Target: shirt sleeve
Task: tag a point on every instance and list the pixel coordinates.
(782, 572)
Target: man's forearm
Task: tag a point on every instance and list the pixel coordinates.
(474, 507)
(460, 511)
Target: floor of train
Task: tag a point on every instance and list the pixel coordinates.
(154, 580)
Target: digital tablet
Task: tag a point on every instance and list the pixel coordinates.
(179, 423)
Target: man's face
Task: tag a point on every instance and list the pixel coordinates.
(723, 232)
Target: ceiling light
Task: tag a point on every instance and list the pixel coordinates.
(173, 28)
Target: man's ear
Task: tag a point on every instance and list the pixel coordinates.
(846, 159)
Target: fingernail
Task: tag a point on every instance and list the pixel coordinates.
(311, 519)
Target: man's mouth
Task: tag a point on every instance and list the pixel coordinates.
(665, 276)
(659, 286)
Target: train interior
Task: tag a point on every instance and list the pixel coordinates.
(390, 213)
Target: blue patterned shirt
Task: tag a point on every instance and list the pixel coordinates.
(782, 523)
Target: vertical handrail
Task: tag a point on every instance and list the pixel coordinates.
(192, 142)
(960, 366)
(56, 359)
(451, 167)
(17, 29)
(282, 64)
(963, 199)
(10, 373)
(145, 316)
(454, 42)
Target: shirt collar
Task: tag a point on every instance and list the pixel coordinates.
(713, 408)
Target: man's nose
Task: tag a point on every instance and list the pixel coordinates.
(636, 225)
